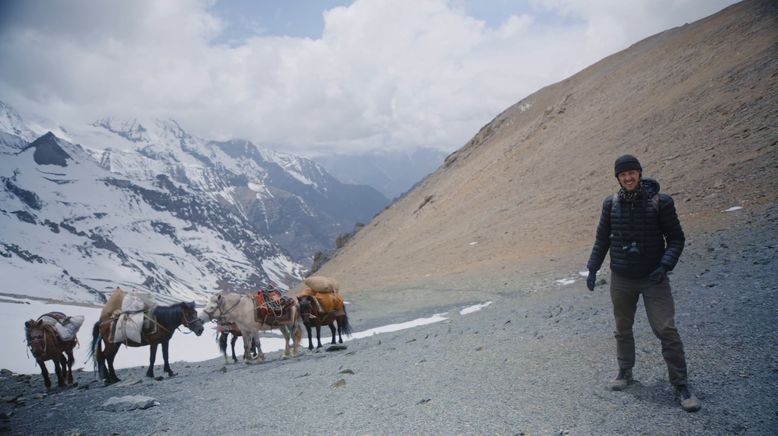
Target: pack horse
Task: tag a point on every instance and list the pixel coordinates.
(252, 313)
(157, 327)
(52, 337)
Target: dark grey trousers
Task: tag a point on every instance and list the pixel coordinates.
(660, 309)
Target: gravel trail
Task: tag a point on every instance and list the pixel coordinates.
(535, 361)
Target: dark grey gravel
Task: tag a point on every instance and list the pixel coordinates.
(536, 361)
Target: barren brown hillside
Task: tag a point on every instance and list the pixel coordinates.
(697, 104)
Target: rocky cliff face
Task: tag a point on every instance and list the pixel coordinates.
(697, 104)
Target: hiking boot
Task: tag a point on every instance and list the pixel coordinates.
(622, 380)
(688, 401)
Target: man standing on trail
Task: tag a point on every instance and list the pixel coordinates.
(641, 229)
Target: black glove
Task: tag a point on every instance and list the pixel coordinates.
(658, 276)
(590, 280)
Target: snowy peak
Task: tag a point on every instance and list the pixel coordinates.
(132, 131)
(48, 151)
(12, 123)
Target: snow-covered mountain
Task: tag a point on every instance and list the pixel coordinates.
(14, 133)
(144, 204)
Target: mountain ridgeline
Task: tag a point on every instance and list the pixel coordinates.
(145, 204)
(697, 104)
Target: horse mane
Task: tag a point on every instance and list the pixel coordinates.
(169, 315)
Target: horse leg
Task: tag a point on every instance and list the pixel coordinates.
(332, 330)
(71, 360)
(310, 339)
(166, 368)
(255, 342)
(248, 346)
(234, 357)
(44, 373)
(318, 336)
(110, 355)
(152, 359)
(60, 362)
(285, 331)
(297, 334)
(341, 328)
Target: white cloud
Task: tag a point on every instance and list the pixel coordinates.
(385, 73)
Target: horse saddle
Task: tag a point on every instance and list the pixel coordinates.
(272, 304)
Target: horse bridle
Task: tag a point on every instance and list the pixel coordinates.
(187, 321)
(220, 308)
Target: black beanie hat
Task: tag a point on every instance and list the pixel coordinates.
(626, 163)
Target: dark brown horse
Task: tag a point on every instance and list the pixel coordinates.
(45, 344)
(226, 329)
(314, 316)
(165, 321)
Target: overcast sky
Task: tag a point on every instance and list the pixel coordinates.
(311, 76)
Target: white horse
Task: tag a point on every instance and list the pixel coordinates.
(241, 309)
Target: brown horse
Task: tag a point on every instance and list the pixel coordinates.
(45, 344)
(224, 329)
(314, 315)
(164, 323)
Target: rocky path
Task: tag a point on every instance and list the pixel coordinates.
(535, 361)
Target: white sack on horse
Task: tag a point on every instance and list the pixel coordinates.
(136, 300)
(66, 328)
(127, 327)
(322, 284)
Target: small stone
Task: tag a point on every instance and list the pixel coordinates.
(424, 401)
(346, 371)
(128, 402)
(39, 396)
(338, 384)
(336, 348)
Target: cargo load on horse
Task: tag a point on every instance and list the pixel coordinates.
(322, 284)
(272, 306)
(154, 328)
(65, 326)
(128, 322)
(47, 343)
(322, 304)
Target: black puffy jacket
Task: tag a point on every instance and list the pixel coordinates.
(652, 225)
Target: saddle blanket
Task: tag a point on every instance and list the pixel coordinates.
(272, 305)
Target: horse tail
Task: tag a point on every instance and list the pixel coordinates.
(343, 323)
(95, 349)
(95, 340)
(223, 342)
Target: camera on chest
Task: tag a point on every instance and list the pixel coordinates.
(632, 249)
